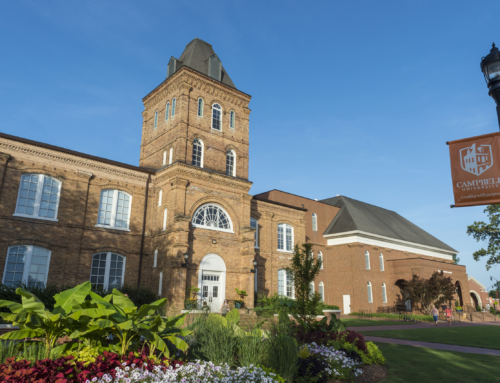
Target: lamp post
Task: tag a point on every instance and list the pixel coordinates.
(490, 66)
(186, 257)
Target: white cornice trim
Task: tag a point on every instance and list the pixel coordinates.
(477, 282)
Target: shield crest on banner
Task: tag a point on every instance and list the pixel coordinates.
(476, 160)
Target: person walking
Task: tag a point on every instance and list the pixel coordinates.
(225, 308)
(447, 312)
(435, 314)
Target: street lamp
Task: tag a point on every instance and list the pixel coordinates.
(254, 262)
(490, 66)
(186, 257)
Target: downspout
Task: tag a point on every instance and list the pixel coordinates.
(143, 229)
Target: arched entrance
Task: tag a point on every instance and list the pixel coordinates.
(212, 281)
(475, 298)
(458, 289)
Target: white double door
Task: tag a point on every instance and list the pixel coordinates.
(211, 290)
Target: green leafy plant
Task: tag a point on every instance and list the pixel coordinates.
(281, 355)
(193, 290)
(251, 348)
(268, 306)
(241, 293)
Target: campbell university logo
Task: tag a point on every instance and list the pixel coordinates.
(476, 160)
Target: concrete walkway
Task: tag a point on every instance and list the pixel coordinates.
(420, 325)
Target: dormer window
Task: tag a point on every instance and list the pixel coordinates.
(216, 117)
(171, 67)
(214, 68)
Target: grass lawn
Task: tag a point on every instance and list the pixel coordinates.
(477, 336)
(409, 364)
(351, 322)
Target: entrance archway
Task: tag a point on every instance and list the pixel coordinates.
(212, 281)
(475, 298)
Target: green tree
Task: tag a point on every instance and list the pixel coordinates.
(488, 232)
(456, 259)
(493, 293)
(424, 293)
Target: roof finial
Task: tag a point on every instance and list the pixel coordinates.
(493, 45)
(493, 48)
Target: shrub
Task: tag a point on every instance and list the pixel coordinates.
(46, 370)
(250, 348)
(281, 355)
(312, 370)
(373, 356)
(422, 318)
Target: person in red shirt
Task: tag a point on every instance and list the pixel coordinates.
(447, 313)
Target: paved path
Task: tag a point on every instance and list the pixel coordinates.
(436, 346)
(420, 325)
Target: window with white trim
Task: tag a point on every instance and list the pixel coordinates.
(231, 163)
(160, 196)
(311, 290)
(320, 258)
(381, 259)
(156, 119)
(285, 284)
(165, 219)
(285, 237)
(155, 258)
(322, 291)
(255, 224)
(26, 264)
(197, 152)
(213, 217)
(38, 197)
(164, 157)
(216, 117)
(171, 156)
(200, 107)
(114, 209)
(370, 296)
(160, 284)
(367, 260)
(173, 107)
(232, 119)
(384, 293)
(167, 111)
(314, 222)
(108, 270)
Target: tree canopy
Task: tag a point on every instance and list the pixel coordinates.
(488, 232)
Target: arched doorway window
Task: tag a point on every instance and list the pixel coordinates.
(212, 282)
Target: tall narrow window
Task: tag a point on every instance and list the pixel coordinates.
(285, 237)
(384, 294)
(311, 290)
(322, 291)
(164, 157)
(38, 197)
(381, 259)
(173, 107)
(167, 111)
(230, 163)
(370, 296)
(160, 195)
(171, 156)
(200, 107)
(255, 224)
(320, 258)
(156, 119)
(232, 120)
(285, 284)
(155, 258)
(367, 260)
(28, 264)
(160, 283)
(114, 209)
(165, 219)
(314, 222)
(216, 117)
(198, 153)
(108, 270)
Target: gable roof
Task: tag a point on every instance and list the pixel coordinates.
(356, 215)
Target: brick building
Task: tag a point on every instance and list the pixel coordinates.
(185, 217)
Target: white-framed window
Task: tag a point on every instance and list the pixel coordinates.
(171, 156)
(314, 222)
(285, 284)
(156, 119)
(367, 260)
(311, 290)
(232, 119)
(255, 224)
(108, 270)
(173, 106)
(160, 284)
(216, 117)
(164, 157)
(155, 258)
(198, 152)
(381, 259)
(165, 219)
(322, 290)
(114, 209)
(320, 258)
(167, 111)
(38, 197)
(213, 217)
(370, 295)
(285, 237)
(28, 264)
(160, 197)
(231, 163)
(200, 107)
(384, 293)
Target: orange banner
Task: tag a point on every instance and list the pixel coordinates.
(475, 170)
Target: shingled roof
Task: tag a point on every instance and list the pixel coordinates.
(356, 215)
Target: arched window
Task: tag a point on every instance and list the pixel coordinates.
(156, 119)
(164, 157)
(198, 153)
(173, 106)
(38, 197)
(255, 224)
(165, 219)
(213, 217)
(216, 117)
(370, 296)
(114, 209)
(381, 259)
(167, 111)
(285, 237)
(320, 258)
(171, 156)
(322, 291)
(311, 290)
(285, 284)
(384, 294)
(200, 107)
(232, 120)
(230, 163)
(108, 270)
(314, 222)
(367, 260)
(160, 195)
(155, 259)
(160, 283)
(26, 264)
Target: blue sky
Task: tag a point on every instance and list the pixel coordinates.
(351, 98)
